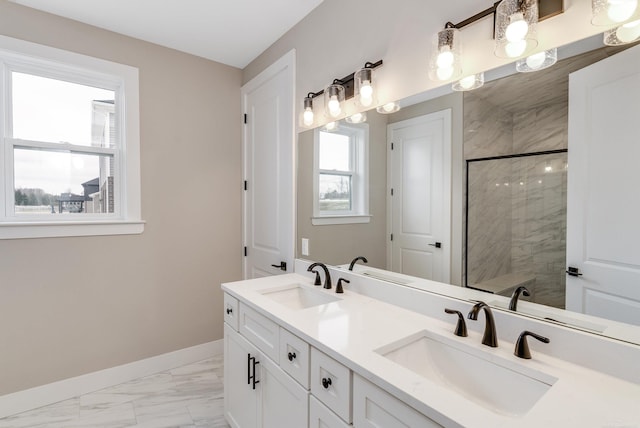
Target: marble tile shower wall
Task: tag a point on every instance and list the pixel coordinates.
(532, 216)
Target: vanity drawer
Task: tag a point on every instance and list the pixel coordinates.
(260, 331)
(294, 357)
(331, 384)
(321, 417)
(373, 408)
(231, 311)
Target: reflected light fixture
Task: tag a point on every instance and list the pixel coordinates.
(537, 61)
(625, 33)
(330, 127)
(357, 118)
(516, 27)
(469, 83)
(612, 12)
(388, 108)
(444, 63)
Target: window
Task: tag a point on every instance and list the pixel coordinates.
(70, 145)
(341, 175)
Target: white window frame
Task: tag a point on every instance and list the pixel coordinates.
(359, 213)
(25, 57)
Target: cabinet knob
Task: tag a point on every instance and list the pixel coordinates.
(326, 381)
(229, 311)
(291, 356)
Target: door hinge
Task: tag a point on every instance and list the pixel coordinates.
(245, 118)
(392, 236)
(245, 251)
(245, 185)
(391, 192)
(391, 146)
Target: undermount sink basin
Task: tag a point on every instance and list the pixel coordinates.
(499, 385)
(296, 296)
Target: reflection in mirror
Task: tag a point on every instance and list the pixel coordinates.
(519, 114)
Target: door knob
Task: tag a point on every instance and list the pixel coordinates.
(282, 266)
(573, 271)
(437, 245)
(291, 356)
(326, 381)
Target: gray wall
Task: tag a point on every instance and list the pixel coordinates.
(70, 306)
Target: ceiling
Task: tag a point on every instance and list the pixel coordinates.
(232, 32)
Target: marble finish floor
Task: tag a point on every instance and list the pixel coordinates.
(186, 397)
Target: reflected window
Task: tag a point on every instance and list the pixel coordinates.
(341, 176)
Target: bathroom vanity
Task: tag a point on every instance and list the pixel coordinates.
(385, 355)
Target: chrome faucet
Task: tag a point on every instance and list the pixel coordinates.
(513, 303)
(490, 338)
(353, 262)
(327, 276)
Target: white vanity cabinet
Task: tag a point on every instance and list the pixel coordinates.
(375, 408)
(258, 393)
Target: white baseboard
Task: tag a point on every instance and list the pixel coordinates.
(55, 392)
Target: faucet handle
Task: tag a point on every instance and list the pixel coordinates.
(461, 326)
(339, 285)
(522, 347)
(317, 280)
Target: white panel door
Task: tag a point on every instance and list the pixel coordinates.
(269, 142)
(603, 198)
(420, 201)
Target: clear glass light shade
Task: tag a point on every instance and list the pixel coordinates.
(469, 83)
(334, 100)
(363, 88)
(357, 118)
(516, 28)
(330, 127)
(626, 33)
(446, 51)
(537, 61)
(612, 12)
(307, 114)
(388, 108)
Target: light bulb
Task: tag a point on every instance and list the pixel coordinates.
(444, 73)
(517, 28)
(307, 116)
(627, 33)
(515, 49)
(468, 82)
(445, 58)
(334, 106)
(535, 61)
(366, 94)
(621, 10)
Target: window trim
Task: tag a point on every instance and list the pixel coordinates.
(359, 180)
(21, 56)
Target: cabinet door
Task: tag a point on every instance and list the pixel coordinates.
(375, 408)
(284, 403)
(240, 399)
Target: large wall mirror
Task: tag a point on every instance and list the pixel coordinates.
(498, 221)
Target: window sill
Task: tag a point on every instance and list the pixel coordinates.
(340, 219)
(26, 230)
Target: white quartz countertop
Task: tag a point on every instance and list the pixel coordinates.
(352, 329)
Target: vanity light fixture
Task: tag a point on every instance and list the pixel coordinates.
(445, 61)
(515, 29)
(537, 61)
(612, 12)
(356, 118)
(625, 33)
(388, 108)
(363, 86)
(469, 83)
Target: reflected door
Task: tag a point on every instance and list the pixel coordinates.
(603, 199)
(420, 201)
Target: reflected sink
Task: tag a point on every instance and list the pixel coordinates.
(494, 383)
(296, 296)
